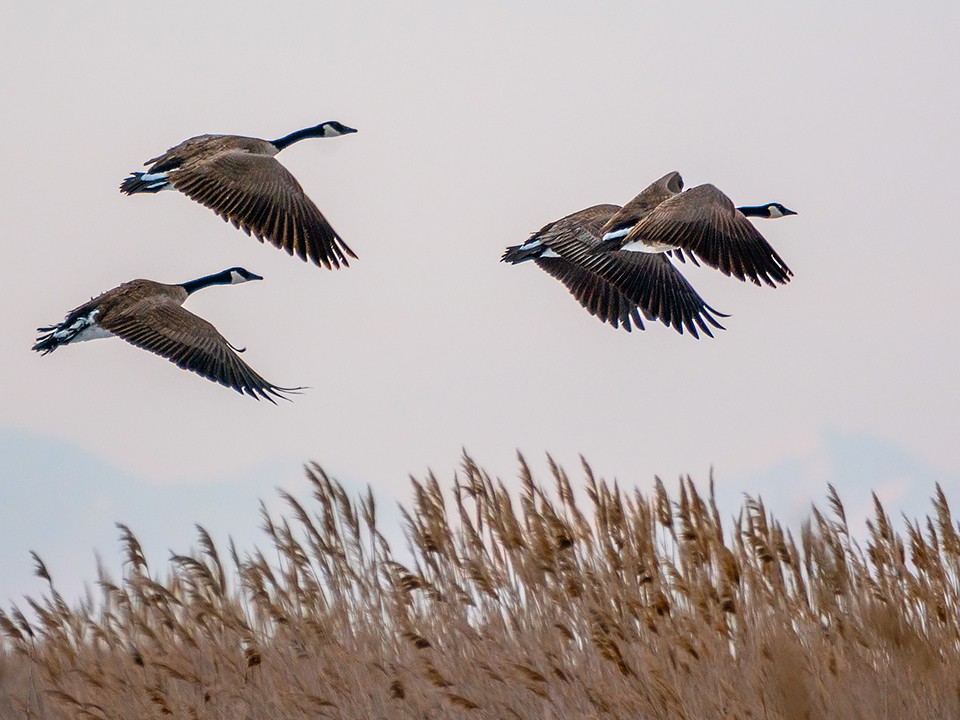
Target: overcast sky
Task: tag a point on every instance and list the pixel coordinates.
(477, 125)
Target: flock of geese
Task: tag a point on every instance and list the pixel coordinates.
(616, 261)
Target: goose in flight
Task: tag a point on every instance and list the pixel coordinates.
(241, 181)
(618, 287)
(150, 315)
(703, 223)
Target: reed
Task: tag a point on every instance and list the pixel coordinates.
(527, 604)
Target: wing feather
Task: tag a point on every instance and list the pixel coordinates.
(596, 295)
(649, 282)
(618, 286)
(261, 197)
(190, 342)
(704, 223)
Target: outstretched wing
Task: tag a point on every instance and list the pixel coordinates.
(260, 196)
(650, 197)
(648, 280)
(600, 298)
(192, 343)
(703, 221)
(596, 295)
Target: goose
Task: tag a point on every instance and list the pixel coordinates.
(703, 223)
(622, 287)
(241, 181)
(150, 315)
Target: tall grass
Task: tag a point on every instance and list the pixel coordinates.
(525, 605)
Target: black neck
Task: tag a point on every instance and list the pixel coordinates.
(755, 210)
(286, 140)
(220, 278)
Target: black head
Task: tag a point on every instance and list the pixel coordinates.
(230, 276)
(775, 210)
(770, 210)
(332, 128)
(240, 275)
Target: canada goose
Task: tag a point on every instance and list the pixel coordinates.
(241, 181)
(704, 223)
(623, 285)
(150, 315)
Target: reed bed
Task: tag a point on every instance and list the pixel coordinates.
(531, 604)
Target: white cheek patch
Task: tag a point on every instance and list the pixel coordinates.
(236, 277)
(774, 212)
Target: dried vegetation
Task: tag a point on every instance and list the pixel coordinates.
(523, 605)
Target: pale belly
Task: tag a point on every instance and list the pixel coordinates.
(640, 246)
(92, 332)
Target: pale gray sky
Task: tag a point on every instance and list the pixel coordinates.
(477, 125)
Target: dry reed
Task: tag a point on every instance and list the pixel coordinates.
(513, 606)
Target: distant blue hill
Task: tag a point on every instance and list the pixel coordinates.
(856, 464)
(63, 503)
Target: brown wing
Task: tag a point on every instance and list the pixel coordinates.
(649, 198)
(173, 332)
(600, 298)
(609, 283)
(703, 221)
(260, 196)
(181, 152)
(583, 224)
(596, 295)
(648, 280)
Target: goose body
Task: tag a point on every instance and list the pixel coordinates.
(617, 287)
(150, 315)
(703, 223)
(240, 179)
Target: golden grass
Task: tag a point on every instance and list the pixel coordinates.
(519, 605)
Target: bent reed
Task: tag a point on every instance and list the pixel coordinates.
(513, 605)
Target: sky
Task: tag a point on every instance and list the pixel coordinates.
(477, 125)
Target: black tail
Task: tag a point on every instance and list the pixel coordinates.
(518, 253)
(52, 337)
(47, 341)
(136, 184)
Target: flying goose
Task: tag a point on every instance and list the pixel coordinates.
(150, 315)
(621, 285)
(241, 181)
(704, 223)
